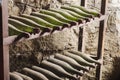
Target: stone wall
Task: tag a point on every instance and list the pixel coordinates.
(31, 52)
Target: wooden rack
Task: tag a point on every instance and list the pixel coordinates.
(5, 40)
(102, 29)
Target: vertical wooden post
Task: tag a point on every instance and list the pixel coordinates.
(81, 46)
(4, 50)
(80, 43)
(83, 3)
(102, 29)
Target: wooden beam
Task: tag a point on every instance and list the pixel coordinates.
(81, 40)
(102, 29)
(104, 4)
(83, 3)
(100, 51)
(4, 49)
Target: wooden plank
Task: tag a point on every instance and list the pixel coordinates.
(100, 51)
(80, 39)
(4, 50)
(102, 29)
(104, 4)
(83, 3)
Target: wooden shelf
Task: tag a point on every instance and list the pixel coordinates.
(10, 39)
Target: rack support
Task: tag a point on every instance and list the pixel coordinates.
(4, 49)
(102, 29)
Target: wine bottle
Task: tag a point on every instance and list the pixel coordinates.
(31, 23)
(39, 21)
(84, 56)
(66, 15)
(20, 34)
(77, 15)
(58, 70)
(34, 74)
(80, 60)
(25, 77)
(71, 61)
(65, 65)
(50, 19)
(14, 31)
(77, 11)
(47, 73)
(15, 76)
(90, 11)
(23, 27)
(58, 16)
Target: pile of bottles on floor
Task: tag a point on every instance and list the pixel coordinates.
(48, 21)
(70, 64)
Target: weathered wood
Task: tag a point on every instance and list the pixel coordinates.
(102, 29)
(104, 7)
(80, 40)
(83, 3)
(4, 50)
(100, 51)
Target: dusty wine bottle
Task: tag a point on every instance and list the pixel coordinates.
(66, 66)
(47, 73)
(85, 56)
(34, 74)
(58, 70)
(25, 77)
(80, 60)
(21, 26)
(71, 61)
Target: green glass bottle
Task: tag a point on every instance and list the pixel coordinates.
(23, 27)
(25, 77)
(90, 11)
(78, 11)
(66, 15)
(35, 21)
(31, 23)
(50, 19)
(58, 16)
(14, 31)
(87, 19)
